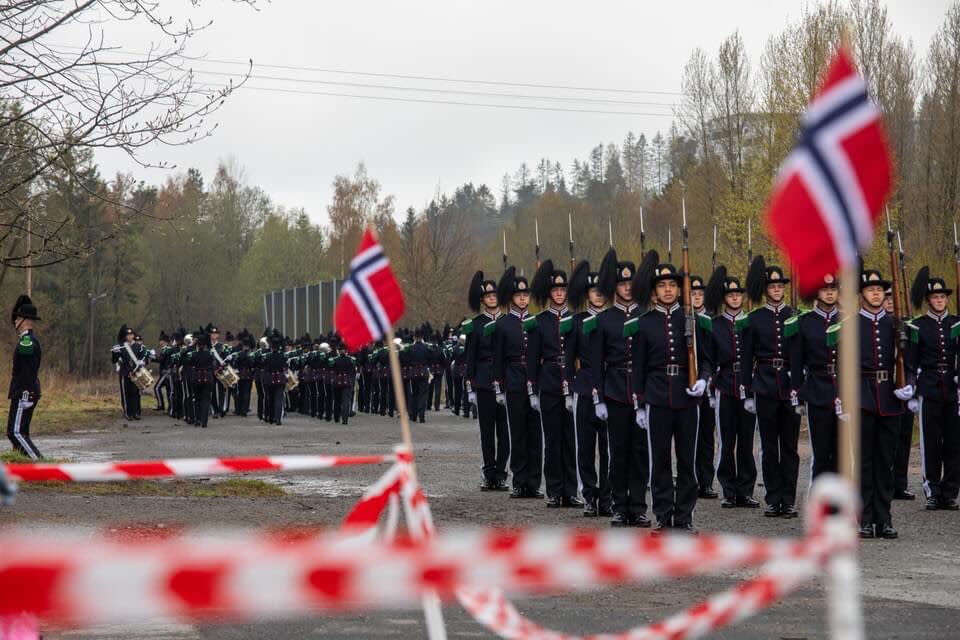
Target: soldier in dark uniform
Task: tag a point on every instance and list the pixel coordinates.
(244, 363)
(176, 380)
(707, 426)
(219, 399)
(591, 432)
(344, 371)
(256, 359)
(481, 333)
(458, 371)
(881, 406)
(766, 357)
(203, 364)
(666, 405)
(511, 388)
(126, 364)
(24, 391)
(274, 379)
(548, 388)
(813, 375)
(363, 389)
(933, 351)
(418, 360)
(387, 400)
(736, 468)
(161, 388)
(613, 392)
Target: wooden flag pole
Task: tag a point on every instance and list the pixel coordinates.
(399, 396)
(848, 432)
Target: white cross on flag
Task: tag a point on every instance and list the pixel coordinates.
(371, 301)
(831, 188)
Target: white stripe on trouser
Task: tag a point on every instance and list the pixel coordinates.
(506, 412)
(646, 411)
(696, 442)
(576, 446)
(923, 454)
(123, 398)
(33, 453)
(813, 452)
(717, 435)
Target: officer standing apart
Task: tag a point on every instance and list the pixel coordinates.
(478, 383)
(24, 393)
(611, 371)
(548, 388)
(933, 351)
(881, 407)
(666, 406)
(766, 357)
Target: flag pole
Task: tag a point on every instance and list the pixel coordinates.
(399, 396)
(848, 432)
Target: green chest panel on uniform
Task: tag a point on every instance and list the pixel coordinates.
(566, 324)
(833, 334)
(529, 324)
(589, 325)
(705, 322)
(630, 327)
(489, 329)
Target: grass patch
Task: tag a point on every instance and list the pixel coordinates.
(234, 488)
(15, 457)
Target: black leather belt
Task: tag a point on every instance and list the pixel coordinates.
(877, 376)
(828, 370)
(558, 360)
(671, 370)
(942, 369)
(514, 360)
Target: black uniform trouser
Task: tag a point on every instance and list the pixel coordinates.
(18, 428)
(448, 386)
(494, 436)
(706, 430)
(274, 402)
(419, 398)
(901, 460)
(189, 404)
(629, 460)
(261, 399)
(161, 391)
(203, 392)
(940, 448)
(342, 404)
(526, 442)
(559, 447)
(219, 399)
(673, 503)
(437, 389)
(591, 440)
(129, 397)
(458, 397)
(779, 458)
(243, 396)
(878, 443)
(328, 401)
(822, 425)
(176, 398)
(362, 392)
(736, 468)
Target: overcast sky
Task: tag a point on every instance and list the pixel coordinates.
(293, 144)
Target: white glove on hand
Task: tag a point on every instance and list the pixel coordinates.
(568, 402)
(472, 397)
(697, 389)
(535, 403)
(25, 402)
(904, 393)
(914, 405)
(600, 409)
(641, 418)
(502, 399)
(713, 401)
(750, 405)
(794, 400)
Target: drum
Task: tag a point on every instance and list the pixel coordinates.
(292, 380)
(142, 378)
(227, 376)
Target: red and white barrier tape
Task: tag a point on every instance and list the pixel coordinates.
(187, 467)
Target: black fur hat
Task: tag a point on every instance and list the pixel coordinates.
(475, 292)
(123, 333)
(543, 282)
(643, 280)
(23, 308)
(714, 293)
(579, 284)
(510, 283)
(757, 278)
(924, 285)
(608, 273)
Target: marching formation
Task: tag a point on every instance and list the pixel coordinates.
(635, 379)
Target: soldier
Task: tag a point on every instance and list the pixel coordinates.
(933, 351)
(666, 406)
(591, 431)
(176, 380)
(736, 468)
(363, 388)
(458, 370)
(203, 364)
(706, 442)
(881, 406)
(344, 369)
(548, 388)
(186, 367)
(219, 398)
(256, 359)
(767, 383)
(813, 375)
(387, 400)
(126, 364)
(245, 367)
(613, 392)
(161, 388)
(510, 384)
(438, 365)
(479, 378)
(418, 358)
(24, 392)
(274, 379)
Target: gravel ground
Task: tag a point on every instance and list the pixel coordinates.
(909, 584)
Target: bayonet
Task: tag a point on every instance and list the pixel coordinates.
(610, 230)
(956, 260)
(670, 244)
(570, 226)
(643, 236)
(749, 257)
(536, 250)
(713, 259)
(504, 250)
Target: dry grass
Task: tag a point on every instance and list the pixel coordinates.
(68, 404)
(233, 488)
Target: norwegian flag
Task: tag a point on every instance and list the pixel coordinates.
(831, 188)
(371, 301)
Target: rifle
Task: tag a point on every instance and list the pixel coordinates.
(504, 250)
(573, 261)
(907, 305)
(536, 249)
(749, 258)
(688, 313)
(670, 244)
(956, 259)
(643, 236)
(713, 260)
(899, 325)
(610, 231)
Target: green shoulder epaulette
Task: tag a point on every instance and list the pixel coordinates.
(705, 322)
(25, 346)
(490, 328)
(791, 326)
(742, 322)
(833, 334)
(467, 326)
(914, 332)
(955, 331)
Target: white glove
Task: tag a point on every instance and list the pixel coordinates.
(750, 405)
(914, 405)
(904, 393)
(25, 402)
(535, 402)
(472, 397)
(697, 389)
(641, 417)
(600, 409)
(794, 400)
(502, 399)
(568, 402)
(713, 401)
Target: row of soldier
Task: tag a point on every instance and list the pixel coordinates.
(598, 382)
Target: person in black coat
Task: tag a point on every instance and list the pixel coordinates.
(481, 335)
(613, 392)
(932, 351)
(593, 448)
(24, 390)
(126, 362)
(274, 370)
(511, 387)
(203, 380)
(344, 371)
(418, 360)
